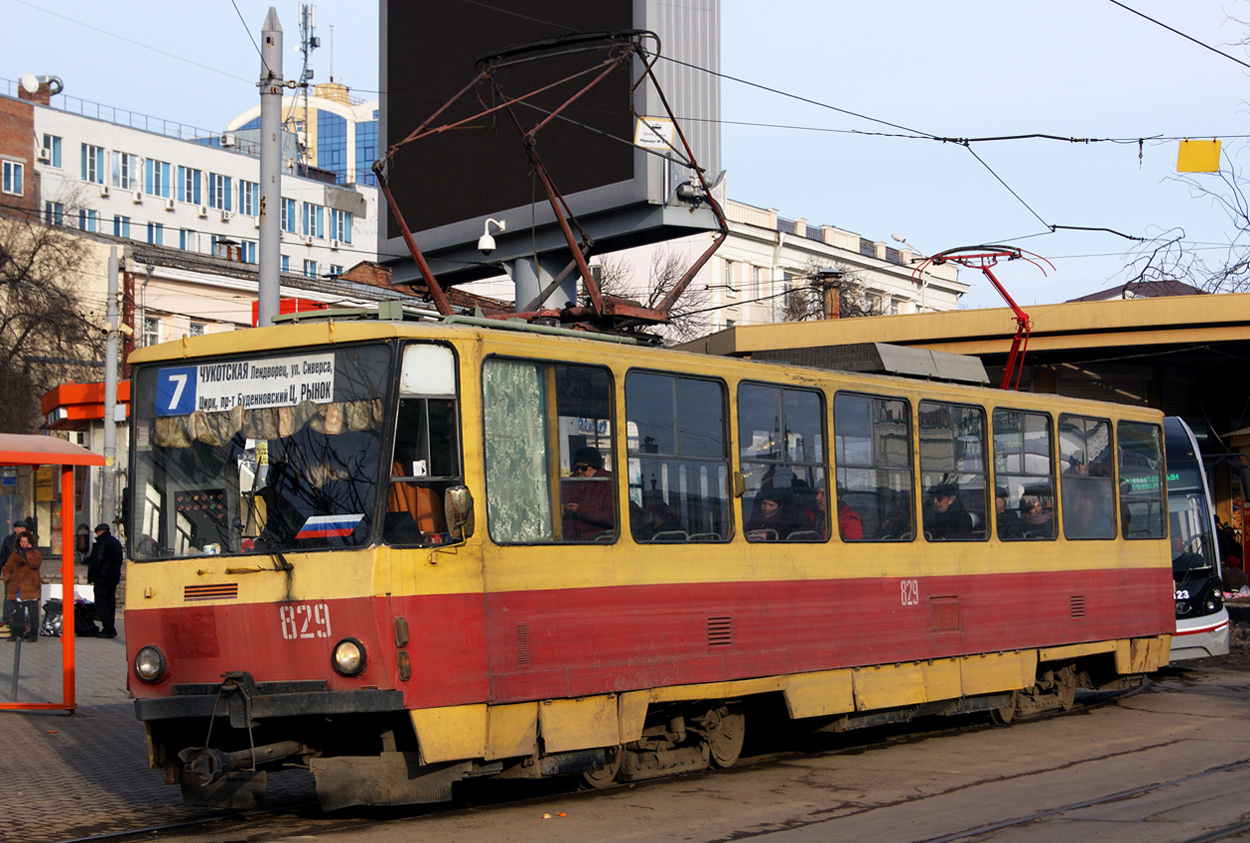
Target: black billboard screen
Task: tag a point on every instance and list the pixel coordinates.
(470, 172)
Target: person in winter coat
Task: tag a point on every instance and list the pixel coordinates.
(104, 570)
(22, 589)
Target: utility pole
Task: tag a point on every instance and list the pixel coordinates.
(271, 87)
(108, 500)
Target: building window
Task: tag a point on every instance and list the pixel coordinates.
(151, 331)
(288, 215)
(314, 220)
(332, 144)
(335, 270)
(196, 329)
(366, 150)
(249, 197)
(219, 191)
(188, 240)
(156, 178)
(125, 170)
(13, 177)
(729, 277)
(88, 220)
(121, 226)
(53, 144)
(286, 263)
(340, 226)
(310, 269)
(156, 233)
(92, 163)
(189, 185)
(247, 251)
(53, 213)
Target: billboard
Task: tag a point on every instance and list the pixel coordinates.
(447, 185)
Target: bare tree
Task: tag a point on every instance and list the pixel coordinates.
(805, 300)
(689, 317)
(1165, 258)
(47, 335)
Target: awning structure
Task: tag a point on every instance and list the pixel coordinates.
(17, 449)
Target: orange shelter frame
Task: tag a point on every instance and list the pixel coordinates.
(17, 449)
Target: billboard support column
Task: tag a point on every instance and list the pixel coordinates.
(532, 275)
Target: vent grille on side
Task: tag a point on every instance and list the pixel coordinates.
(944, 614)
(720, 632)
(1076, 604)
(522, 644)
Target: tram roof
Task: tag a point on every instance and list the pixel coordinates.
(1171, 320)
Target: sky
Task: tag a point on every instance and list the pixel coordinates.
(901, 68)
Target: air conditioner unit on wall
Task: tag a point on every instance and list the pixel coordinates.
(334, 244)
(255, 222)
(226, 215)
(137, 196)
(44, 156)
(307, 238)
(169, 204)
(203, 211)
(104, 190)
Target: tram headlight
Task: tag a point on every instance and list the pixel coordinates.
(349, 657)
(150, 664)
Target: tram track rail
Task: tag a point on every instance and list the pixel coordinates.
(295, 818)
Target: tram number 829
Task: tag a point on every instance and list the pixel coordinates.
(909, 592)
(305, 620)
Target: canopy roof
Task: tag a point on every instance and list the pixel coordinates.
(19, 449)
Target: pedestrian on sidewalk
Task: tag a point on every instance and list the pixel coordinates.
(23, 588)
(10, 541)
(104, 571)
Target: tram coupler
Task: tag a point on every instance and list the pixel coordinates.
(207, 765)
(237, 688)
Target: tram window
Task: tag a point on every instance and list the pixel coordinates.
(873, 459)
(426, 458)
(549, 461)
(953, 471)
(1023, 475)
(1142, 503)
(781, 449)
(1087, 489)
(678, 458)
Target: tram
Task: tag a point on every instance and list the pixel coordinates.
(404, 552)
(1201, 618)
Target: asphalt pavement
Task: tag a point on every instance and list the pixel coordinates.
(70, 775)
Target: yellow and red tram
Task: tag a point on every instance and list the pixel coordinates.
(404, 553)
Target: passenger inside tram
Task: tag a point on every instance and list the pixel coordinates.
(586, 498)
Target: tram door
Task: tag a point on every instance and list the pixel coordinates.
(1230, 483)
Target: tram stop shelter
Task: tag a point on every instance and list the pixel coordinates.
(22, 450)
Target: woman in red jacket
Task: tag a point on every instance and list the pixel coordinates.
(22, 589)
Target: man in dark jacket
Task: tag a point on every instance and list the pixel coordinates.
(104, 570)
(10, 541)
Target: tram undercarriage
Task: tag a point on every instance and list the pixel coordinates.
(376, 758)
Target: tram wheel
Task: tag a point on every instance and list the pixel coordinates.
(1004, 714)
(605, 775)
(725, 730)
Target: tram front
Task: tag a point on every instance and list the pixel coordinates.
(273, 495)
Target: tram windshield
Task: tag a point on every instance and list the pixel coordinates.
(258, 453)
(1193, 545)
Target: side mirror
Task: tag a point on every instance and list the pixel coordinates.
(458, 508)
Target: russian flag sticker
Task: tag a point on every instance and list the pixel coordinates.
(326, 526)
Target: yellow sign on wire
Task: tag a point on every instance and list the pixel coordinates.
(1198, 156)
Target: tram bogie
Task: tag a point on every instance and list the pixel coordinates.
(477, 553)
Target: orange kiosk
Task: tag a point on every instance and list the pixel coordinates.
(19, 450)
